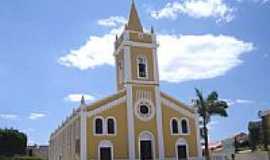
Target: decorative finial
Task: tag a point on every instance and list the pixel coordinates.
(82, 101)
(152, 30)
(116, 37)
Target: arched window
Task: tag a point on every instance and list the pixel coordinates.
(142, 67)
(98, 126)
(184, 126)
(111, 126)
(174, 126)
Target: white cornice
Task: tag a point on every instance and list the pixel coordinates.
(106, 106)
(135, 44)
(66, 125)
(177, 108)
(142, 82)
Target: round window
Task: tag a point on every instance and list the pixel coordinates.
(144, 110)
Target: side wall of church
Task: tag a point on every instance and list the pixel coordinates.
(119, 140)
(65, 143)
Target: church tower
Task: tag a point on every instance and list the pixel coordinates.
(135, 54)
(137, 73)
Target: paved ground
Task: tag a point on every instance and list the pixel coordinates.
(259, 155)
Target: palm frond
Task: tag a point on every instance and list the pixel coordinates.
(213, 96)
(218, 108)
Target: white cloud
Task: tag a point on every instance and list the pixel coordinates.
(231, 102)
(113, 21)
(8, 116)
(244, 101)
(193, 57)
(217, 9)
(181, 57)
(97, 51)
(35, 115)
(77, 97)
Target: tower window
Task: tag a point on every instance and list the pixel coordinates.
(142, 67)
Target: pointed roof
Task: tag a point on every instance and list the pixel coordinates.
(134, 22)
(82, 100)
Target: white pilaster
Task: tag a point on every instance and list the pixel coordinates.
(159, 124)
(83, 114)
(130, 115)
(127, 62)
(156, 72)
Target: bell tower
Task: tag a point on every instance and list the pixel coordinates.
(135, 54)
(137, 72)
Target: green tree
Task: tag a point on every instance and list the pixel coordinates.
(12, 142)
(207, 107)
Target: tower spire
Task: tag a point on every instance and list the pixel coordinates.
(83, 101)
(134, 22)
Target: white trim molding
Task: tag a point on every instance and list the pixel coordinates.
(107, 106)
(156, 70)
(83, 133)
(159, 121)
(143, 82)
(131, 132)
(135, 44)
(177, 108)
(127, 64)
(105, 144)
(65, 126)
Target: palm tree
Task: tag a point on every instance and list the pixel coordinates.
(206, 108)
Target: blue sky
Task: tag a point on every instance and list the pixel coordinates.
(51, 52)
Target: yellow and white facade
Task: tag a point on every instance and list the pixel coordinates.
(139, 121)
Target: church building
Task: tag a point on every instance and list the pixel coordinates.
(139, 121)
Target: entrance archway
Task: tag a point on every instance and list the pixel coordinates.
(146, 146)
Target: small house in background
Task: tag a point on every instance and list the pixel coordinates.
(259, 131)
(38, 151)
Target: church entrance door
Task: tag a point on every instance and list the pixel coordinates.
(182, 152)
(105, 153)
(146, 152)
